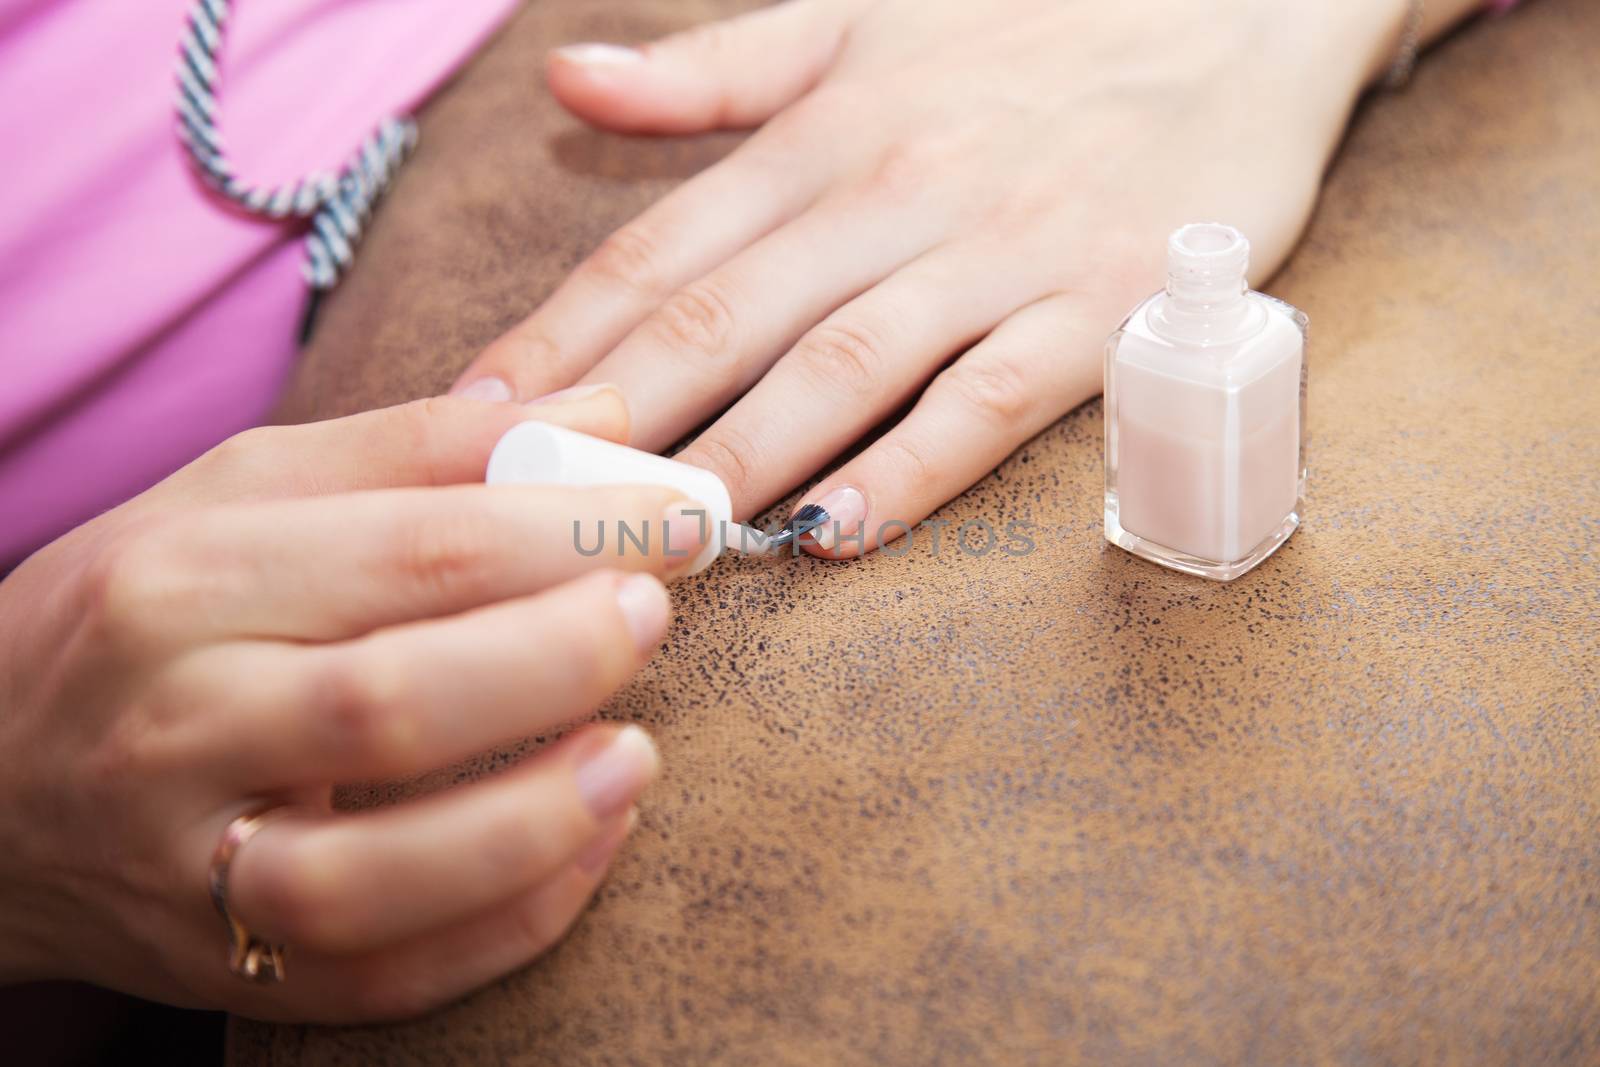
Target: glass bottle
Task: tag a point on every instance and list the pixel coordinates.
(1205, 392)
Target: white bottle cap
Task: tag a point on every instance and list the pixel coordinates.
(536, 453)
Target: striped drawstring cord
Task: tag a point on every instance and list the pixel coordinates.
(338, 205)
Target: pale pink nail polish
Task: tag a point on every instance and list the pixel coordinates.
(610, 779)
(844, 510)
(491, 390)
(1205, 415)
(646, 608)
(598, 54)
(572, 394)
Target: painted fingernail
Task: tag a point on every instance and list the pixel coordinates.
(491, 390)
(598, 54)
(610, 779)
(684, 530)
(646, 608)
(572, 394)
(839, 514)
(598, 854)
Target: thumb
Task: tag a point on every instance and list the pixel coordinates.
(723, 75)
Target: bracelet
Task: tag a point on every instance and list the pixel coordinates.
(1405, 57)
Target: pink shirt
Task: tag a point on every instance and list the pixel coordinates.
(141, 319)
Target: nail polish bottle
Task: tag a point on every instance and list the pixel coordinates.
(537, 453)
(1205, 388)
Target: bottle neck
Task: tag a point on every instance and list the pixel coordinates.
(1207, 299)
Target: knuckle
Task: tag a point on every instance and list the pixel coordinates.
(901, 172)
(418, 429)
(247, 448)
(629, 257)
(130, 587)
(994, 388)
(729, 454)
(445, 554)
(843, 355)
(697, 319)
(528, 346)
(423, 416)
(358, 705)
(420, 419)
(247, 460)
(907, 459)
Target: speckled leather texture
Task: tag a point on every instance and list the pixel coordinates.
(1069, 808)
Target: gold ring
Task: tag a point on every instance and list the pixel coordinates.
(249, 957)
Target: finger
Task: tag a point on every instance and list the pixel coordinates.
(419, 696)
(350, 883)
(329, 568)
(437, 441)
(701, 224)
(846, 374)
(429, 971)
(714, 338)
(731, 74)
(1036, 366)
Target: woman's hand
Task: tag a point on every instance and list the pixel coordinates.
(300, 607)
(933, 180)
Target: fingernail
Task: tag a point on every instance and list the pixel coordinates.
(839, 514)
(646, 608)
(491, 390)
(597, 854)
(609, 780)
(684, 531)
(594, 53)
(573, 393)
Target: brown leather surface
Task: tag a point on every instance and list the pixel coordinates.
(1070, 808)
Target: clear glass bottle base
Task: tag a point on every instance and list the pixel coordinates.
(1171, 558)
